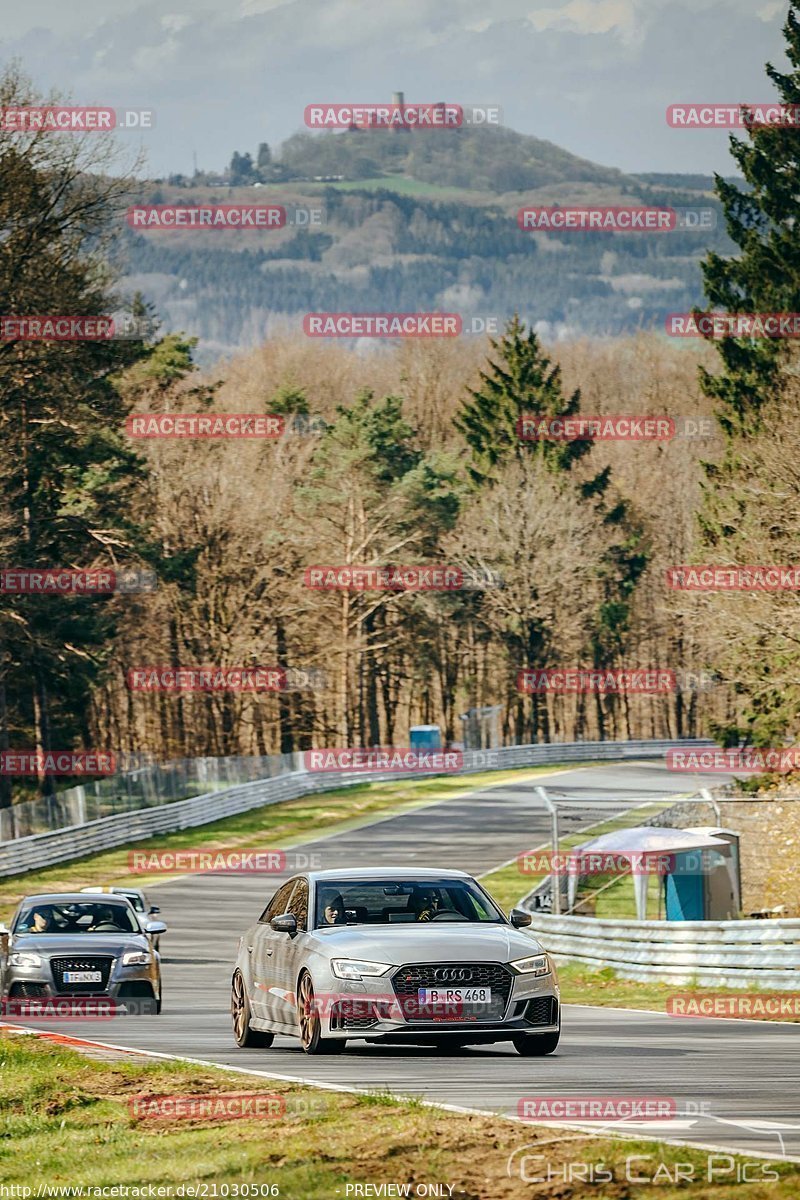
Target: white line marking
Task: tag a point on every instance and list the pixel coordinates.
(403, 1098)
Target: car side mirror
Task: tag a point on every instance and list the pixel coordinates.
(155, 927)
(286, 923)
(519, 919)
(153, 909)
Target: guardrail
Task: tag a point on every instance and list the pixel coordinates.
(142, 785)
(46, 849)
(706, 953)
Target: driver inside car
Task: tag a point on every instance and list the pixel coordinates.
(104, 921)
(426, 905)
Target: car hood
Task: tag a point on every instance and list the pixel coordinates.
(400, 944)
(81, 944)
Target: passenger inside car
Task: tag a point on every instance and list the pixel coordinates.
(333, 912)
(41, 920)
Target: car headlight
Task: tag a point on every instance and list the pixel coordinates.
(354, 968)
(537, 964)
(24, 958)
(136, 958)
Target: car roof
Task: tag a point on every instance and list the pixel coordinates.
(72, 898)
(381, 874)
(110, 889)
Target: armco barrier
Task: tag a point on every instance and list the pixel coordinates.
(75, 841)
(707, 953)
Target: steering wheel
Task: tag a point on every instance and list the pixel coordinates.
(447, 915)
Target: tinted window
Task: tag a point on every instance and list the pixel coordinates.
(278, 903)
(78, 917)
(397, 902)
(299, 903)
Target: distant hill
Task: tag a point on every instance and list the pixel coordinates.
(483, 159)
(420, 222)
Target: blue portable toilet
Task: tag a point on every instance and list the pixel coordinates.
(684, 890)
(425, 737)
(705, 884)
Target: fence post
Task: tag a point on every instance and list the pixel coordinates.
(555, 871)
(709, 799)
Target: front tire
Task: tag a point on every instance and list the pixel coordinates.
(535, 1045)
(241, 1014)
(309, 1023)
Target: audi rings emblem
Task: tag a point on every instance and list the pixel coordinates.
(452, 974)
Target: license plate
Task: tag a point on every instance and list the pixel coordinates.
(455, 995)
(83, 977)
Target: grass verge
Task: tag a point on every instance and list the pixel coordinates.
(70, 1121)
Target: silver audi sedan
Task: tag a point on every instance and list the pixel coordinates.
(67, 949)
(422, 956)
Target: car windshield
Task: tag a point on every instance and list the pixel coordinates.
(401, 902)
(76, 916)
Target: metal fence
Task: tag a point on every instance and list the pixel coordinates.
(707, 953)
(146, 786)
(287, 780)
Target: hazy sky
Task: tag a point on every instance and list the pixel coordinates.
(594, 76)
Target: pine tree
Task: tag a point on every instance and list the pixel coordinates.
(526, 381)
(65, 466)
(765, 276)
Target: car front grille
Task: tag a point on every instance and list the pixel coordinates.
(89, 962)
(407, 980)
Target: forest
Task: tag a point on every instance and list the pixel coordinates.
(404, 455)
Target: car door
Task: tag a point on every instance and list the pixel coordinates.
(288, 957)
(261, 944)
